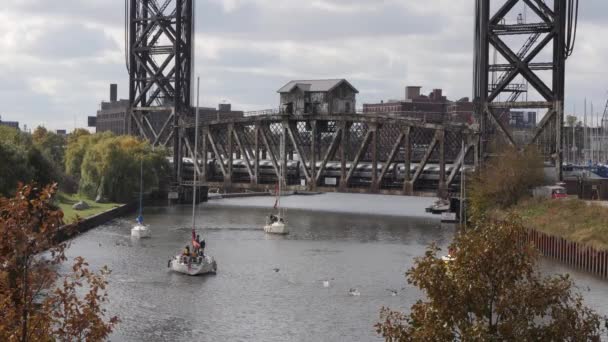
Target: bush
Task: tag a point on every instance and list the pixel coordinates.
(504, 180)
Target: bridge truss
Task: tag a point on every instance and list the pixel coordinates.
(159, 55)
(535, 50)
(367, 153)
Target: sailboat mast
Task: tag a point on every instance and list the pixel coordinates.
(141, 185)
(195, 157)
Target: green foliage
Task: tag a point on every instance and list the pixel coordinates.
(110, 166)
(503, 181)
(78, 144)
(490, 291)
(23, 158)
(51, 145)
(14, 167)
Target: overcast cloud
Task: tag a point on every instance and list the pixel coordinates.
(58, 57)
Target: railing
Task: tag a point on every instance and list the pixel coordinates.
(273, 111)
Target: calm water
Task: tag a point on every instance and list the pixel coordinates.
(247, 300)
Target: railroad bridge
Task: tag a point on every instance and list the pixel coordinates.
(371, 153)
(349, 152)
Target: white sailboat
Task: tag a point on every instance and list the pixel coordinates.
(196, 262)
(140, 230)
(276, 224)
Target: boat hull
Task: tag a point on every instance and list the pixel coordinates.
(140, 232)
(276, 228)
(193, 266)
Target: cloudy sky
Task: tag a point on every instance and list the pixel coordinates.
(58, 57)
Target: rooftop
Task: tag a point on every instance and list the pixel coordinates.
(315, 85)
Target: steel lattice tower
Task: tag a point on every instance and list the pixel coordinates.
(159, 53)
(542, 46)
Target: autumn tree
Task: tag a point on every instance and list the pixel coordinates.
(36, 302)
(490, 291)
(504, 180)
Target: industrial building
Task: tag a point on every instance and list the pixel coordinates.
(335, 96)
(13, 124)
(114, 116)
(434, 107)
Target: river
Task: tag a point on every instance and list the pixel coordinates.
(270, 288)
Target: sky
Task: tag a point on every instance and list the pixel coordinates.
(58, 58)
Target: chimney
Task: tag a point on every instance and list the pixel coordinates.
(113, 92)
(438, 93)
(412, 92)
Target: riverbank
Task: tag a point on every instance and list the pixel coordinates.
(574, 220)
(66, 201)
(383, 205)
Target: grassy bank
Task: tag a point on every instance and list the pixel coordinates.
(572, 219)
(65, 202)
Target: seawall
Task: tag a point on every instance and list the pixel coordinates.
(69, 231)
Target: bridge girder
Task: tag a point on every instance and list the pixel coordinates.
(330, 153)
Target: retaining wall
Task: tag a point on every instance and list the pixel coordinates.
(70, 231)
(573, 254)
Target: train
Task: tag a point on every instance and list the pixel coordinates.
(361, 176)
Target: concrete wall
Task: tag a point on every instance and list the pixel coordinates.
(70, 231)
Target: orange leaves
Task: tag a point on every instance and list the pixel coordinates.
(34, 305)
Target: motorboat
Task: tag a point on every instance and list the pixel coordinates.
(193, 266)
(439, 207)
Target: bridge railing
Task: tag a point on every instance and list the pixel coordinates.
(272, 111)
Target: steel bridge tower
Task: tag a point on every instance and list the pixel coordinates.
(534, 52)
(159, 51)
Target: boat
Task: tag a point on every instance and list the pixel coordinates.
(440, 206)
(275, 224)
(193, 266)
(140, 230)
(197, 262)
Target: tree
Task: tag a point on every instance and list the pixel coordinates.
(571, 120)
(505, 180)
(37, 303)
(110, 167)
(23, 160)
(490, 291)
(14, 167)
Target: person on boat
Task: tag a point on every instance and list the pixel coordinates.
(140, 220)
(186, 251)
(202, 249)
(273, 218)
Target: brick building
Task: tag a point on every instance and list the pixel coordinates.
(434, 107)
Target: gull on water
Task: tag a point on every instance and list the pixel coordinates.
(354, 292)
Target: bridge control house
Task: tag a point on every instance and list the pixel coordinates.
(328, 97)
